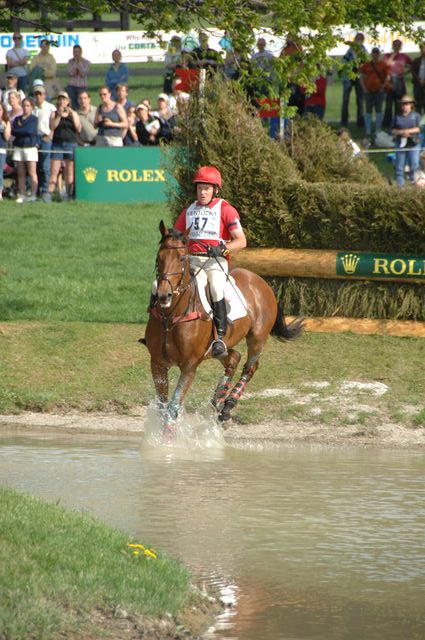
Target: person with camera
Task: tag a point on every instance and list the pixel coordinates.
(406, 129)
(25, 152)
(5, 133)
(65, 125)
(110, 120)
(215, 231)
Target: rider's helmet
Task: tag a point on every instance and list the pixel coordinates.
(209, 175)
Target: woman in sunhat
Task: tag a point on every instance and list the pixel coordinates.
(406, 129)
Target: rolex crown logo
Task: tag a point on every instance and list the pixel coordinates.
(90, 174)
(350, 262)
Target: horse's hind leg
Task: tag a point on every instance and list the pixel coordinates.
(250, 367)
(230, 365)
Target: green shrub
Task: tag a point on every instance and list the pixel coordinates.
(352, 217)
(319, 297)
(320, 157)
(308, 192)
(223, 131)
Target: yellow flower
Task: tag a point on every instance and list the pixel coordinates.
(136, 546)
(151, 553)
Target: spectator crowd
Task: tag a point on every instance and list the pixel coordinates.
(41, 122)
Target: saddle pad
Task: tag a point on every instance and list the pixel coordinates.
(235, 300)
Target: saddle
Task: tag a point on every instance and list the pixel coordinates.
(236, 304)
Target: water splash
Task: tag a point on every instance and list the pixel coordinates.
(199, 431)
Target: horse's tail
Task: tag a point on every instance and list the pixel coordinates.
(285, 331)
(142, 341)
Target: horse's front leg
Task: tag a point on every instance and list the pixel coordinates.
(225, 383)
(185, 380)
(160, 378)
(235, 395)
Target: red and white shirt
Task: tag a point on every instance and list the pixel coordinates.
(209, 224)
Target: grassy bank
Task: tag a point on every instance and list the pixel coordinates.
(58, 366)
(65, 575)
(77, 261)
(74, 286)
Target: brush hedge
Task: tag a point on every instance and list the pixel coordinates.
(305, 192)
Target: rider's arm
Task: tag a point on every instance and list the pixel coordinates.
(238, 240)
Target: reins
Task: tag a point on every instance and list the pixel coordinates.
(168, 317)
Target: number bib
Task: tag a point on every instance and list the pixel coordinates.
(204, 222)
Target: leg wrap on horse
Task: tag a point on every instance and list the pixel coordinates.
(222, 392)
(233, 398)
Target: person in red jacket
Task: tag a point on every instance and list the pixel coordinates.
(315, 102)
(214, 232)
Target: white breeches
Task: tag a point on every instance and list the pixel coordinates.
(216, 270)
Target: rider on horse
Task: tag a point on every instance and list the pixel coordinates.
(214, 231)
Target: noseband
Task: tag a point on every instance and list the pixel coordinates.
(165, 276)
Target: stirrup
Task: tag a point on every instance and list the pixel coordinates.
(218, 348)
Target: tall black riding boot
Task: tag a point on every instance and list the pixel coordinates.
(219, 348)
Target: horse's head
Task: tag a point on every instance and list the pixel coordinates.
(172, 265)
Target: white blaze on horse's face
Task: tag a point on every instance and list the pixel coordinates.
(170, 274)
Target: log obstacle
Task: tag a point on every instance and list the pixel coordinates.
(315, 263)
(365, 326)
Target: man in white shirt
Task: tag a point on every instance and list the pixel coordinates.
(43, 110)
(16, 60)
(87, 113)
(263, 58)
(11, 85)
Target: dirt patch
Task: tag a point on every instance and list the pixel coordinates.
(375, 433)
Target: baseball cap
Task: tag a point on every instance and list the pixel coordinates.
(63, 94)
(141, 106)
(11, 74)
(37, 83)
(163, 96)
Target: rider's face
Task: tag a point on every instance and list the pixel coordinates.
(204, 192)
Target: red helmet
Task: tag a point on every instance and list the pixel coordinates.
(210, 175)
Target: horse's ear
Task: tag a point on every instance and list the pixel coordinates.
(163, 229)
(186, 233)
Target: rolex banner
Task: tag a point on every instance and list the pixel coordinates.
(380, 265)
(123, 174)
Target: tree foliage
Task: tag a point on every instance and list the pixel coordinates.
(315, 26)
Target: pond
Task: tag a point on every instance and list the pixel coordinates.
(310, 542)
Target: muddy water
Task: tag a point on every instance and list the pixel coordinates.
(310, 542)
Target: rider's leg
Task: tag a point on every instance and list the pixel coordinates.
(219, 348)
(216, 270)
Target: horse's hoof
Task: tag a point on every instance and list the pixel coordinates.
(224, 417)
(169, 433)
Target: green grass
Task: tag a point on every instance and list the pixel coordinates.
(58, 568)
(57, 366)
(77, 261)
(75, 281)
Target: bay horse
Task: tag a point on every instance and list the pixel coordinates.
(179, 331)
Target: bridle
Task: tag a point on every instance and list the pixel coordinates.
(185, 267)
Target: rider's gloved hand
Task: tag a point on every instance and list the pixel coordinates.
(217, 251)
